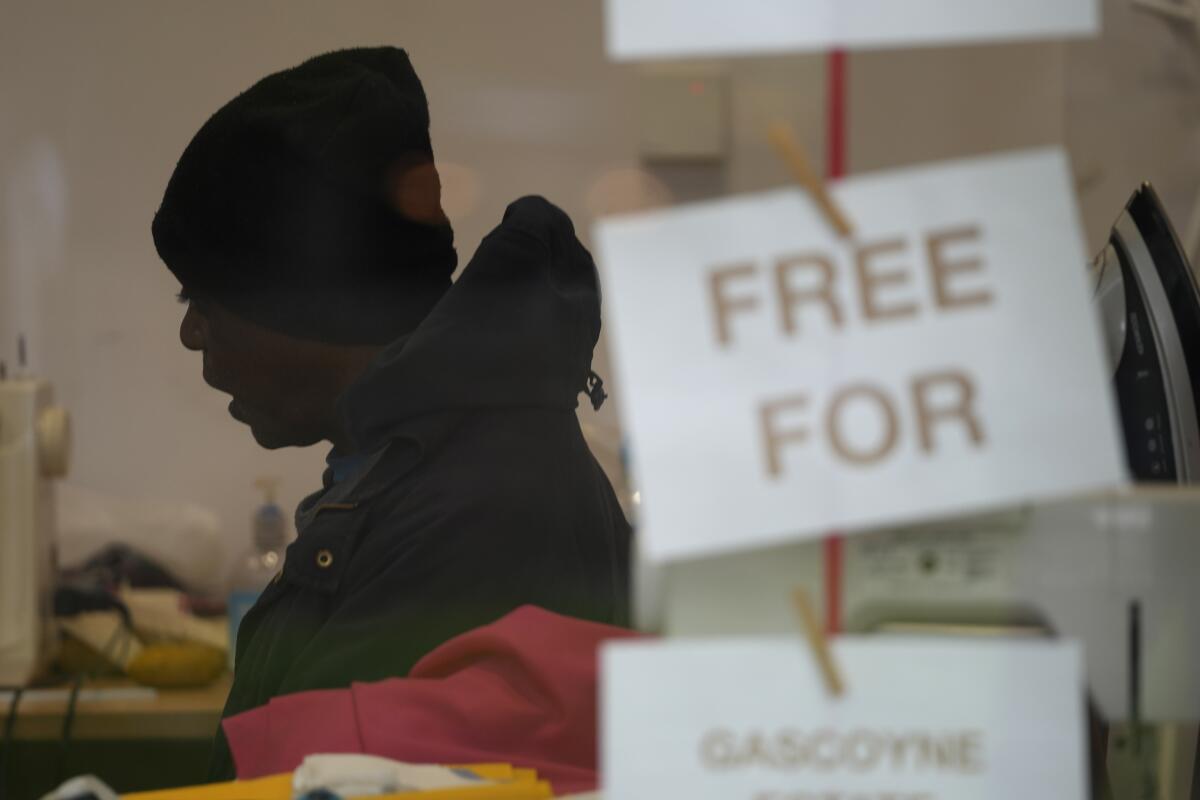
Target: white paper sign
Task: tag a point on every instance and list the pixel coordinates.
(645, 29)
(779, 383)
(921, 720)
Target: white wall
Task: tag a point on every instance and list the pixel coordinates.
(97, 100)
(1133, 114)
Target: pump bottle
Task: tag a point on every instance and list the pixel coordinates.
(257, 565)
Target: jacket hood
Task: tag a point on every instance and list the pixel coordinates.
(517, 329)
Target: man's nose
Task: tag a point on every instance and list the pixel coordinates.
(191, 330)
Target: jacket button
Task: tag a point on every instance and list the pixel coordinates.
(324, 559)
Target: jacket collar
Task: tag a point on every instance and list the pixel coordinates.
(330, 521)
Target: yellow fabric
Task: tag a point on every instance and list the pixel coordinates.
(536, 790)
(510, 784)
(273, 787)
(494, 772)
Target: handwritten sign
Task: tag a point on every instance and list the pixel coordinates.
(646, 29)
(749, 719)
(779, 383)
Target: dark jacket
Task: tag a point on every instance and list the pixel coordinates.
(480, 494)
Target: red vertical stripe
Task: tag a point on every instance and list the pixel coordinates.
(833, 583)
(835, 167)
(835, 141)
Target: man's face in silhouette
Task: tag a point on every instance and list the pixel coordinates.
(284, 388)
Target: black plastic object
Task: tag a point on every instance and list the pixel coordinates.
(1145, 375)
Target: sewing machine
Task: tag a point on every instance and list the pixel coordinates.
(34, 447)
(1117, 572)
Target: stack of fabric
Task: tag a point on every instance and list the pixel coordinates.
(515, 700)
(521, 691)
(343, 777)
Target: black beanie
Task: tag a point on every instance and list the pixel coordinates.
(310, 204)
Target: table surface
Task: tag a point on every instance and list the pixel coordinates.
(121, 710)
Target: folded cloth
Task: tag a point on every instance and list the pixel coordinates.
(496, 781)
(84, 787)
(354, 774)
(521, 690)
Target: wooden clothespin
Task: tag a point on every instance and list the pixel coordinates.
(818, 643)
(793, 154)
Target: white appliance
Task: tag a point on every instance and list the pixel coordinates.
(1078, 568)
(34, 448)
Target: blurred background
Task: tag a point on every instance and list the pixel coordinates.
(97, 101)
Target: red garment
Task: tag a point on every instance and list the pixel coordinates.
(521, 690)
